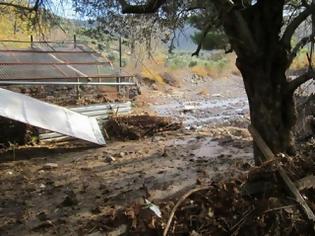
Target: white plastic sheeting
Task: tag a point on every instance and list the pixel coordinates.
(29, 110)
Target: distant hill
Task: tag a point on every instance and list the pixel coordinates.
(183, 41)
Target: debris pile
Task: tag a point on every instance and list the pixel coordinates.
(16, 133)
(275, 198)
(138, 126)
(255, 203)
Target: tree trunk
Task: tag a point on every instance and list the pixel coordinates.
(272, 108)
(262, 59)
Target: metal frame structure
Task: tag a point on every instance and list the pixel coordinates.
(68, 123)
(44, 51)
(53, 63)
(100, 76)
(119, 79)
(7, 82)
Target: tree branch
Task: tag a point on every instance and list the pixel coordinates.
(286, 38)
(236, 27)
(299, 46)
(21, 7)
(297, 82)
(304, 3)
(202, 39)
(150, 7)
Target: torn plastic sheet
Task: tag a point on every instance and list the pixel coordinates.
(31, 111)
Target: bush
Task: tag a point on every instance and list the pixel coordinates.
(192, 64)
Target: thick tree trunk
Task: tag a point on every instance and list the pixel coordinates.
(272, 108)
(262, 59)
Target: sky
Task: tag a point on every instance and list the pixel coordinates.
(64, 8)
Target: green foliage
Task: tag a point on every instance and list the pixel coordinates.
(213, 40)
(192, 63)
(215, 62)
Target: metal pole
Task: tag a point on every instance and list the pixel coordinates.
(117, 82)
(32, 41)
(44, 51)
(52, 63)
(74, 41)
(69, 77)
(120, 59)
(120, 65)
(78, 88)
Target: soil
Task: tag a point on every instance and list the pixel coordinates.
(88, 190)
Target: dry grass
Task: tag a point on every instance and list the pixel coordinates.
(217, 65)
(201, 71)
(216, 68)
(152, 73)
(301, 61)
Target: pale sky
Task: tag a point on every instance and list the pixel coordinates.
(64, 8)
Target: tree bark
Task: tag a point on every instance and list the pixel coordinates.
(262, 59)
(272, 108)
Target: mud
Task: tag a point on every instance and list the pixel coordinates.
(63, 192)
(155, 169)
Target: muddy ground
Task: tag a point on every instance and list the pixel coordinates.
(62, 190)
(72, 188)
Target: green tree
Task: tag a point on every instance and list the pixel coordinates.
(213, 40)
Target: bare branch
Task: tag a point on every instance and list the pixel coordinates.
(150, 7)
(304, 3)
(202, 39)
(21, 7)
(299, 46)
(286, 38)
(297, 82)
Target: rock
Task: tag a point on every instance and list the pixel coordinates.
(217, 95)
(194, 233)
(110, 159)
(122, 154)
(70, 199)
(96, 210)
(169, 79)
(121, 230)
(50, 166)
(42, 216)
(42, 186)
(154, 87)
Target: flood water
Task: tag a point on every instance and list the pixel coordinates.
(215, 111)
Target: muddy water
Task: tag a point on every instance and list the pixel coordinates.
(214, 111)
(209, 102)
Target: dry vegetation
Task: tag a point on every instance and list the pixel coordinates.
(301, 61)
(209, 64)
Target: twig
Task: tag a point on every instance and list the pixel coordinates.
(268, 154)
(279, 208)
(106, 134)
(236, 226)
(180, 201)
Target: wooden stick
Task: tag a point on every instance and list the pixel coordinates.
(269, 156)
(180, 201)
